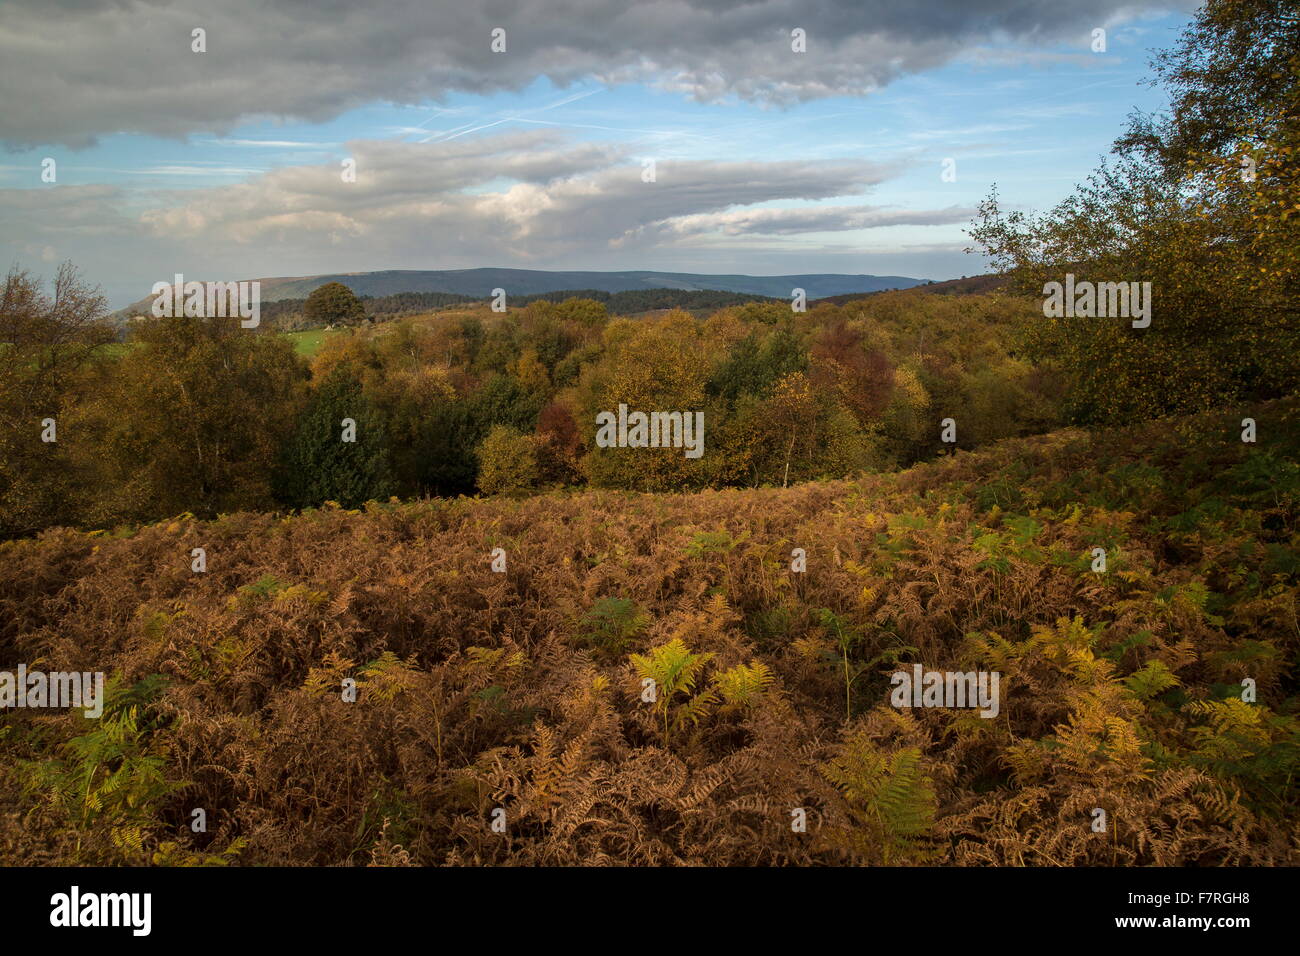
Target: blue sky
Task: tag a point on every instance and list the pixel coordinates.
(549, 175)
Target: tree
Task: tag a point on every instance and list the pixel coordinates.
(1225, 77)
(530, 372)
(583, 311)
(46, 345)
(860, 377)
(909, 426)
(319, 465)
(559, 444)
(507, 461)
(191, 418)
(334, 304)
(1205, 205)
(797, 433)
(655, 365)
(756, 363)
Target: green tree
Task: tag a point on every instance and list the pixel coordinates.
(334, 304)
(798, 433)
(583, 311)
(756, 363)
(318, 465)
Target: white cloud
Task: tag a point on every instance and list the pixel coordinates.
(528, 197)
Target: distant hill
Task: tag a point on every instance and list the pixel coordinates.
(287, 313)
(966, 285)
(479, 283)
(648, 300)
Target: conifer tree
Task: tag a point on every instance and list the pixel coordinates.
(319, 464)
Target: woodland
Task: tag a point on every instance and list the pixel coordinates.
(432, 645)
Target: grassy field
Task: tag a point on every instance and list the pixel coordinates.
(523, 691)
(307, 343)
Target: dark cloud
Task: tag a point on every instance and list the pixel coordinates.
(72, 70)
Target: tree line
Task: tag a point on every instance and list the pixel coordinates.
(198, 415)
(335, 304)
(201, 416)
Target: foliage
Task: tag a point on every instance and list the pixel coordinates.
(675, 671)
(193, 418)
(1204, 204)
(612, 623)
(1119, 690)
(47, 342)
(507, 461)
(112, 778)
(318, 466)
(333, 304)
(890, 798)
(786, 398)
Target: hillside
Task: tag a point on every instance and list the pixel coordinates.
(479, 283)
(523, 690)
(966, 285)
(288, 313)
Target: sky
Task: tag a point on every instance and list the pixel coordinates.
(674, 135)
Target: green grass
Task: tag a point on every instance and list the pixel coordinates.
(308, 342)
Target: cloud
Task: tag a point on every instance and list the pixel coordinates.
(60, 212)
(810, 220)
(527, 194)
(530, 197)
(73, 70)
